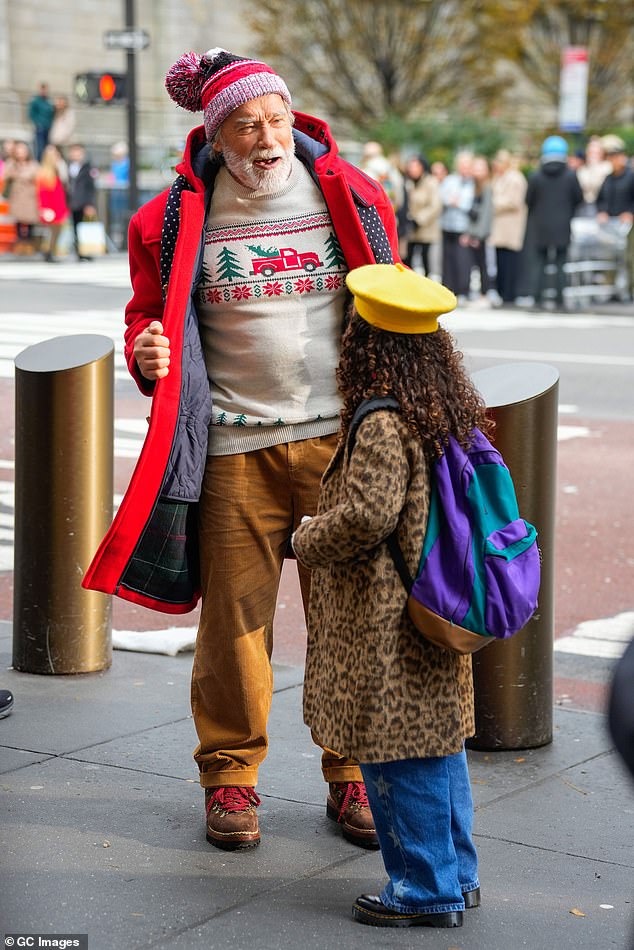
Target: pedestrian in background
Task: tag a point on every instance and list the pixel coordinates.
(52, 196)
(424, 210)
(382, 169)
(621, 707)
(7, 150)
(552, 197)
(20, 182)
(119, 182)
(373, 685)
(41, 113)
(439, 170)
(457, 192)
(621, 712)
(480, 222)
(592, 174)
(508, 193)
(63, 127)
(615, 201)
(82, 192)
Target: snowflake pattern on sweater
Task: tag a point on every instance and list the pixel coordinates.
(294, 255)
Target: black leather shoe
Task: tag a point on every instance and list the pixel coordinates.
(371, 910)
(6, 702)
(472, 898)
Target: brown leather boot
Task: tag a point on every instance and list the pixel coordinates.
(232, 822)
(348, 805)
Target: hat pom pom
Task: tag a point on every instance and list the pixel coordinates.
(184, 82)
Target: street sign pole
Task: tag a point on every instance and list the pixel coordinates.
(133, 191)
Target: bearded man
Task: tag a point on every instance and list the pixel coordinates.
(239, 298)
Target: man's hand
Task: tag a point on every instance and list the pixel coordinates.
(152, 352)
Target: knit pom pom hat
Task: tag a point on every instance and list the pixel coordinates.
(218, 82)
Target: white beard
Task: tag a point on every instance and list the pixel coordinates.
(260, 179)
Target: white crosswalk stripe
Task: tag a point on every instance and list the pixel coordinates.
(109, 271)
(606, 638)
(20, 330)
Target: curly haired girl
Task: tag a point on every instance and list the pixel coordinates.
(374, 688)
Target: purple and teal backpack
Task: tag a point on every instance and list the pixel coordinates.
(479, 571)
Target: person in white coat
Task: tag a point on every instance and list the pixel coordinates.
(509, 223)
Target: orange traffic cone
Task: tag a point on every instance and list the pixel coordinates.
(8, 234)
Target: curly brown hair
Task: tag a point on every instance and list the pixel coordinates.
(424, 372)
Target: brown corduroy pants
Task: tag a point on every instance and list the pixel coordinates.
(249, 506)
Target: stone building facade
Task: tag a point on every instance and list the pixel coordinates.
(54, 40)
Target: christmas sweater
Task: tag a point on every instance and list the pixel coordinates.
(270, 307)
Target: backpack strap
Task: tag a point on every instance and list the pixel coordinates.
(365, 408)
(399, 562)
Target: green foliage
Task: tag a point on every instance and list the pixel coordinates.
(440, 139)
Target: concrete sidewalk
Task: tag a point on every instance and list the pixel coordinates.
(103, 832)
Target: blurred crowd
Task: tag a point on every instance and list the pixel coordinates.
(50, 181)
(492, 231)
(495, 234)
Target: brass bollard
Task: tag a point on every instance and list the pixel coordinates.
(64, 410)
(513, 679)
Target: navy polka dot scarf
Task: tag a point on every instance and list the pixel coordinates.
(171, 224)
(369, 217)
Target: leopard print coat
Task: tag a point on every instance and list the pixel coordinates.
(374, 688)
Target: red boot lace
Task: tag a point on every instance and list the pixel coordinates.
(231, 798)
(355, 794)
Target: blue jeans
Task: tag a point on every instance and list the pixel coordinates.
(423, 813)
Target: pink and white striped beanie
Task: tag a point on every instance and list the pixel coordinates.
(218, 82)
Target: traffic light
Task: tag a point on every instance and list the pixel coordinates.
(100, 88)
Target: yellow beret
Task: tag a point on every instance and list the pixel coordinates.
(392, 297)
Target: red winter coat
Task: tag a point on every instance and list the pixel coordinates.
(149, 555)
(52, 202)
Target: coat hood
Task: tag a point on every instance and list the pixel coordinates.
(554, 167)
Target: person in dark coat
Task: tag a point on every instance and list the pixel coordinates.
(552, 197)
(615, 201)
(621, 708)
(82, 193)
(621, 712)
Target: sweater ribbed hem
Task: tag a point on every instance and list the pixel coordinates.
(236, 440)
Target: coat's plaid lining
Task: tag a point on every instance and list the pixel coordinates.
(165, 562)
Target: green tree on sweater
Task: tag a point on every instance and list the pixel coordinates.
(334, 254)
(229, 265)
